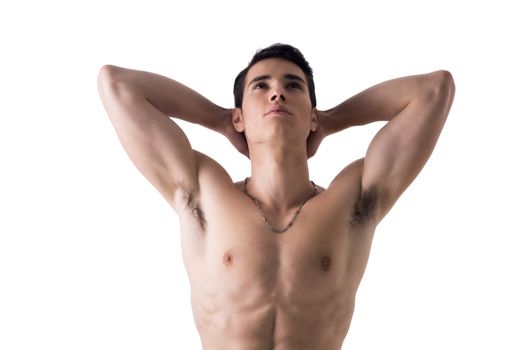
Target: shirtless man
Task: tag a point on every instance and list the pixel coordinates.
(265, 271)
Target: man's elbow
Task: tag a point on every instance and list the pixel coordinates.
(105, 74)
(441, 86)
(109, 79)
(446, 81)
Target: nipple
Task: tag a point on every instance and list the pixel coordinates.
(325, 263)
(227, 258)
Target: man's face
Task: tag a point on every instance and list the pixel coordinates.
(276, 103)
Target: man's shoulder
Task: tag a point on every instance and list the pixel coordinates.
(347, 189)
(209, 170)
(210, 176)
(349, 178)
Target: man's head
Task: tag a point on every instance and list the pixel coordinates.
(285, 52)
(275, 98)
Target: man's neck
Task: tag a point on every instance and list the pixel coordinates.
(280, 178)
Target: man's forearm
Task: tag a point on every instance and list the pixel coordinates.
(169, 96)
(380, 102)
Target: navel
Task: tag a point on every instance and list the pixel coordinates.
(227, 258)
(325, 263)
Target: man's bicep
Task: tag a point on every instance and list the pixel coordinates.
(402, 147)
(156, 145)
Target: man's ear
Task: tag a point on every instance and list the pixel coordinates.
(237, 120)
(315, 120)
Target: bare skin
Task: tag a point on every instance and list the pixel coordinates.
(267, 290)
(253, 288)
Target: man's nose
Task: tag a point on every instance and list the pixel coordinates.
(277, 96)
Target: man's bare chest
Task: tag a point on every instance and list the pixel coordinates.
(237, 252)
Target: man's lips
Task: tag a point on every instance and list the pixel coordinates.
(278, 109)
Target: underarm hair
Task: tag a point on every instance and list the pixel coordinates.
(364, 206)
(196, 211)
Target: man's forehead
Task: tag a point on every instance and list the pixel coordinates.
(274, 67)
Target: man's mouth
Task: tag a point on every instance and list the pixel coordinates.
(278, 109)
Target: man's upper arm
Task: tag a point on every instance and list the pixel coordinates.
(401, 148)
(156, 145)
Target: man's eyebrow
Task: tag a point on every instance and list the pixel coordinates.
(286, 76)
(294, 77)
(259, 78)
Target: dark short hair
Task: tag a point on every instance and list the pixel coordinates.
(286, 52)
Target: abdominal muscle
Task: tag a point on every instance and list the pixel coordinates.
(255, 289)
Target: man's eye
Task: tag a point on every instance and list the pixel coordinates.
(260, 86)
(294, 85)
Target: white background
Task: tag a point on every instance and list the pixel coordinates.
(90, 252)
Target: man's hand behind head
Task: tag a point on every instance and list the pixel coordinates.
(314, 139)
(237, 139)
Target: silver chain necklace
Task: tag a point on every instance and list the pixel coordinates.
(273, 229)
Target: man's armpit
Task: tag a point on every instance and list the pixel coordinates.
(196, 211)
(365, 207)
(185, 200)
